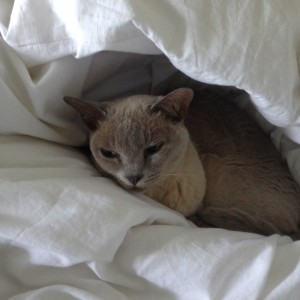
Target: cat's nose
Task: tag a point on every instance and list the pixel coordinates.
(135, 178)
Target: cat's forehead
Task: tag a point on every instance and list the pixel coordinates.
(133, 103)
(129, 123)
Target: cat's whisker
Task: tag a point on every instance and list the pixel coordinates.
(178, 174)
(151, 180)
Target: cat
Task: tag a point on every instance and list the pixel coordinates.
(205, 159)
(142, 142)
(249, 186)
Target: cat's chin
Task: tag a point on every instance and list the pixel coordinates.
(132, 188)
(137, 189)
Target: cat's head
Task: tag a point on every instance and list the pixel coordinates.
(139, 139)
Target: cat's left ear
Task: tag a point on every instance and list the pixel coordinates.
(90, 114)
(176, 104)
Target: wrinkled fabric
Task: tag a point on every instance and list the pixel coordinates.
(65, 232)
(253, 45)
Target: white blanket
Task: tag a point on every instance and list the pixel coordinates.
(66, 233)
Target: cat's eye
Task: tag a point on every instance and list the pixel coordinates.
(153, 149)
(109, 153)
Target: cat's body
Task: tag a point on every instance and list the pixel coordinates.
(142, 142)
(249, 186)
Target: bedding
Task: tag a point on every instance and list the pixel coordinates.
(66, 232)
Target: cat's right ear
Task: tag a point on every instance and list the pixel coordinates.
(175, 105)
(89, 114)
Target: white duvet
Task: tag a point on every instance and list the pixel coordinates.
(65, 232)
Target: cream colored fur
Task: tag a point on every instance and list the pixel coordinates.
(240, 183)
(173, 176)
(183, 187)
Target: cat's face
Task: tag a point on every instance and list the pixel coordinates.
(138, 140)
(137, 146)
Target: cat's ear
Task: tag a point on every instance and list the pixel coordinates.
(175, 105)
(90, 114)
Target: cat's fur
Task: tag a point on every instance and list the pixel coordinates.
(174, 175)
(248, 186)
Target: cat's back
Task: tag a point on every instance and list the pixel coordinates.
(219, 126)
(242, 166)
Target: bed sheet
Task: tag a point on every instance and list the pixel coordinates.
(253, 45)
(65, 232)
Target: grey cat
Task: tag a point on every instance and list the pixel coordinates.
(213, 164)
